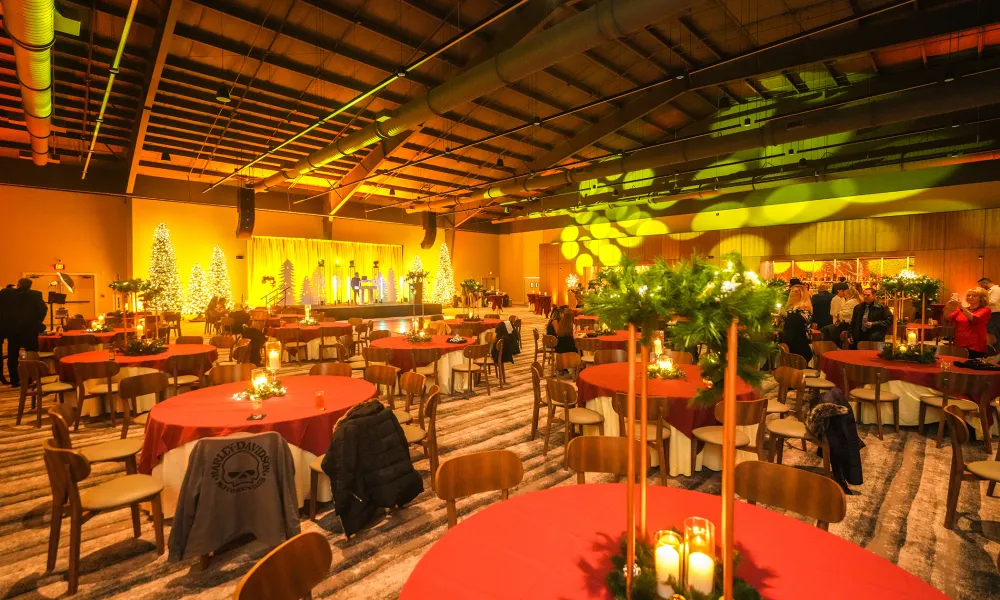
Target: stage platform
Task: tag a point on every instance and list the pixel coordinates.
(342, 312)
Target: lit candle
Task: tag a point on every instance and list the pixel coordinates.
(308, 310)
(668, 364)
(140, 330)
(911, 337)
(657, 347)
(699, 546)
(93, 325)
(100, 319)
(700, 572)
(259, 383)
(273, 360)
(902, 348)
(668, 563)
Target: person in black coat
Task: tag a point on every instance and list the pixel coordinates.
(4, 307)
(870, 320)
(369, 465)
(796, 333)
(24, 318)
(821, 306)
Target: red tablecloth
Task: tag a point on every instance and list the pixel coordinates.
(212, 412)
(64, 367)
(580, 319)
(496, 300)
(311, 332)
(606, 380)
(531, 299)
(616, 341)
(477, 327)
(543, 304)
(401, 348)
(557, 543)
(46, 343)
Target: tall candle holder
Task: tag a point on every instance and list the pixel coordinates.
(272, 351)
(699, 546)
(669, 556)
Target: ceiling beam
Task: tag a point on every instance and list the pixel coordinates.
(159, 50)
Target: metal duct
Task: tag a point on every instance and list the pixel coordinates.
(972, 91)
(31, 26)
(606, 20)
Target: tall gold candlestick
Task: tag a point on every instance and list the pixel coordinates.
(729, 461)
(630, 484)
(643, 423)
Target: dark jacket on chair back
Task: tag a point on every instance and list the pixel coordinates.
(369, 465)
(834, 418)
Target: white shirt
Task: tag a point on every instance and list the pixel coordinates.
(994, 297)
(835, 304)
(847, 312)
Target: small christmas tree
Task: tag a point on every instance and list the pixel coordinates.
(198, 295)
(163, 272)
(444, 287)
(288, 281)
(218, 277)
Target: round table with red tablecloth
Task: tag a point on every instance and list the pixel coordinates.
(451, 355)
(310, 334)
(908, 380)
(176, 425)
(64, 367)
(496, 301)
(585, 320)
(558, 543)
(477, 327)
(615, 341)
(47, 343)
(543, 305)
(598, 384)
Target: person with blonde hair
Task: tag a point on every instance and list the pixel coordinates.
(797, 331)
(970, 322)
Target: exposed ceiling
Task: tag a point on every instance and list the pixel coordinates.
(706, 73)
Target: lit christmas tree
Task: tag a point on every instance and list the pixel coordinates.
(198, 295)
(444, 287)
(218, 277)
(163, 272)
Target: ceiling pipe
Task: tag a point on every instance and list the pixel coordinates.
(609, 19)
(111, 81)
(31, 26)
(967, 93)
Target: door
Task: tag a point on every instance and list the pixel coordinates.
(531, 286)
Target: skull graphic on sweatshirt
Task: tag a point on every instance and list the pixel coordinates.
(240, 467)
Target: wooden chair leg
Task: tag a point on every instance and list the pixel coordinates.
(663, 445)
(694, 455)
(568, 430)
(878, 419)
(534, 420)
(951, 504)
(130, 465)
(987, 438)
(942, 423)
(826, 457)
(157, 510)
(38, 419)
(486, 376)
(136, 525)
(921, 417)
(548, 430)
(20, 406)
(74, 551)
(781, 449)
(54, 529)
(895, 414)
(313, 487)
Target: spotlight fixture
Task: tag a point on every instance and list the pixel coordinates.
(803, 162)
(165, 157)
(616, 192)
(949, 76)
(538, 121)
(680, 76)
(500, 162)
(791, 150)
(401, 73)
(955, 123)
(746, 122)
(222, 95)
(716, 186)
(392, 191)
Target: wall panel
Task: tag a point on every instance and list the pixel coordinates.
(964, 229)
(830, 237)
(927, 232)
(892, 234)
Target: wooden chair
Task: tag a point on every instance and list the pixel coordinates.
(130, 388)
(600, 454)
(613, 355)
(377, 356)
(224, 341)
(290, 571)
(361, 334)
(787, 359)
(561, 395)
(782, 429)
(871, 345)
(980, 470)
(186, 370)
(438, 328)
(815, 384)
(291, 343)
(657, 428)
(788, 379)
(425, 432)
(549, 343)
(951, 386)
(464, 332)
(588, 347)
(571, 362)
(383, 377)
(222, 374)
(36, 383)
(123, 451)
(335, 369)
(66, 469)
(498, 364)
(472, 353)
(680, 357)
(461, 476)
(943, 333)
(328, 340)
(379, 334)
(173, 323)
(748, 413)
(60, 352)
(425, 362)
(876, 377)
(950, 350)
(240, 354)
(821, 348)
(540, 347)
(809, 494)
(95, 380)
(189, 339)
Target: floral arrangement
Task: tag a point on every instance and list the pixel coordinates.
(262, 389)
(309, 322)
(100, 328)
(603, 329)
(775, 282)
(912, 285)
(417, 337)
(664, 369)
(144, 347)
(915, 354)
(705, 299)
(267, 279)
(471, 285)
(644, 583)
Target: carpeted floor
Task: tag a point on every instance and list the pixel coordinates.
(898, 514)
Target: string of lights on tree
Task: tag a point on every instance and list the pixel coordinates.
(218, 277)
(198, 295)
(444, 286)
(163, 272)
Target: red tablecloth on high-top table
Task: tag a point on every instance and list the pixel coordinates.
(607, 379)
(477, 327)
(584, 319)
(311, 332)
(531, 300)
(213, 412)
(496, 301)
(47, 343)
(558, 542)
(401, 348)
(155, 361)
(543, 304)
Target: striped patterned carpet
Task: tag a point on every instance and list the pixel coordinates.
(898, 514)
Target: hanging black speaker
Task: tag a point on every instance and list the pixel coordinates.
(244, 212)
(430, 230)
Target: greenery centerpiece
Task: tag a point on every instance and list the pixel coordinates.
(924, 355)
(912, 285)
(603, 329)
(261, 389)
(309, 322)
(144, 347)
(418, 337)
(96, 327)
(664, 369)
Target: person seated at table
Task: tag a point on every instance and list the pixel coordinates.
(564, 333)
(797, 329)
(970, 323)
(505, 331)
(870, 320)
(842, 318)
(550, 327)
(821, 306)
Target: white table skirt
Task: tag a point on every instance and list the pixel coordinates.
(173, 465)
(909, 408)
(680, 445)
(97, 406)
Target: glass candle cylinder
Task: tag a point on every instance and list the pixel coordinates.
(256, 405)
(100, 319)
(258, 378)
(657, 347)
(699, 543)
(911, 337)
(272, 350)
(320, 400)
(668, 557)
(140, 330)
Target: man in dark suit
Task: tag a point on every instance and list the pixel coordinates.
(821, 306)
(4, 311)
(870, 320)
(24, 318)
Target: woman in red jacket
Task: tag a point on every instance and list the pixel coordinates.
(970, 323)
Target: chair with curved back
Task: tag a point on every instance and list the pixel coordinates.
(334, 369)
(424, 432)
(821, 348)
(748, 414)
(538, 403)
(804, 492)
(980, 470)
(186, 370)
(779, 430)
(123, 450)
(561, 397)
(189, 339)
(60, 352)
(953, 387)
(425, 362)
(657, 427)
(571, 362)
(290, 571)
(461, 476)
(549, 343)
(239, 354)
(814, 384)
(610, 355)
(224, 342)
(222, 374)
(870, 345)
(131, 388)
(877, 395)
(951, 350)
(291, 343)
(600, 454)
(330, 341)
(379, 334)
(470, 369)
(383, 377)
(95, 380)
(34, 376)
(412, 386)
(588, 346)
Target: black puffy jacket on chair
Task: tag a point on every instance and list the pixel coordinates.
(369, 466)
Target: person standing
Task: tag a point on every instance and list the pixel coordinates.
(355, 288)
(870, 320)
(837, 302)
(5, 295)
(970, 323)
(24, 319)
(993, 295)
(821, 302)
